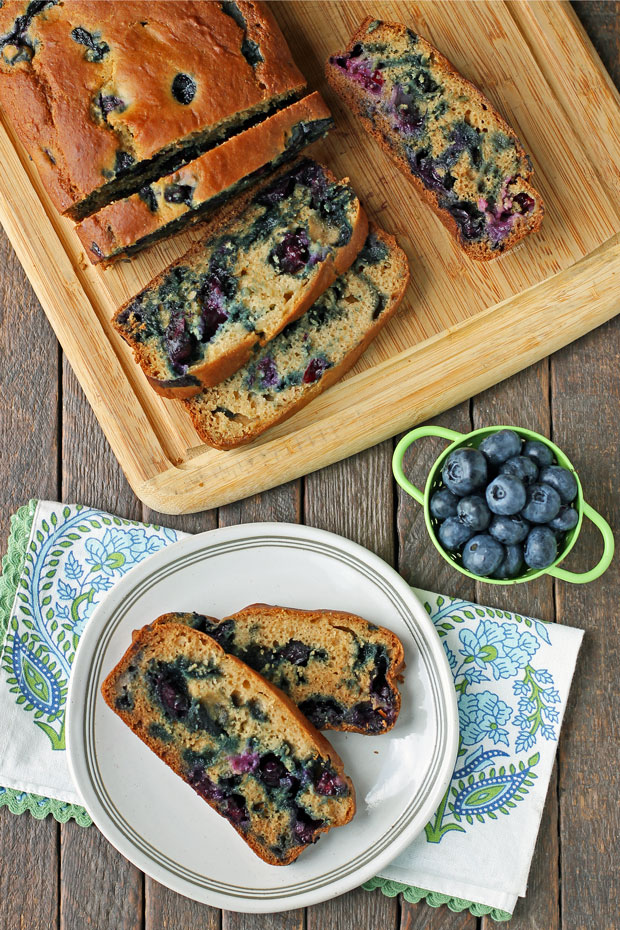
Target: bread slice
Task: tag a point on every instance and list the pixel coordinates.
(311, 354)
(171, 203)
(107, 96)
(443, 133)
(259, 266)
(238, 741)
(339, 669)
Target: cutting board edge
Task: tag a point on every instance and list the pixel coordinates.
(593, 281)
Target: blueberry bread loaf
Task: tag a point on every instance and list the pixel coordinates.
(169, 204)
(340, 670)
(310, 354)
(106, 96)
(233, 737)
(443, 134)
(259, 266)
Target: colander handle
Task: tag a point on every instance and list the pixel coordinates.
(608, 551)
(403, 445)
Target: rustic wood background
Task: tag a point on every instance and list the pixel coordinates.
(67, 877)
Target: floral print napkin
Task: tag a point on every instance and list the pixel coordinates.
(511, 673)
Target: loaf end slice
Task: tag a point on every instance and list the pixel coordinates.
(339, 669)
(234, 738)
(311, 354)
(443, 133)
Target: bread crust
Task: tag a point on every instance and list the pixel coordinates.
(49, 96)
(140, 639)
(210, 373)
(121, 224)
(477, 250)
(212, 438)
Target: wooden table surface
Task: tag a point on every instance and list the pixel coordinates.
(65, 876)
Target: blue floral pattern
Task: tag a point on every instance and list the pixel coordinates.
(492, 646)
(71, 561)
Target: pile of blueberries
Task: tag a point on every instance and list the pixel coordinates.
(504, 505)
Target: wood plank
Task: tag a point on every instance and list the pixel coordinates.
(587, 427)
(166, 910)
(575, 158)
(421, 566)
(355, 499)
(98, 886)
(524, 400)
(28, 434)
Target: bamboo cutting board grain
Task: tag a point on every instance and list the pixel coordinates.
(463, 325)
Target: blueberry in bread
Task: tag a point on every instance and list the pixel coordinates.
(258, 266)
(310, 354)
(340, 670)
(444, 135)
(233, 737)
(169, 204)
(107, 96)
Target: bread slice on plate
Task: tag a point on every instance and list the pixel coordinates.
(443, 133)
(339, 669)
(260, 264)
(310, 354)
(233, 737)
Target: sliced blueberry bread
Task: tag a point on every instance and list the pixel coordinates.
(107, 96)
(443, 134)
(234, 738)
(340, 670)
(310, 354)
(257, 268)
(189, 194)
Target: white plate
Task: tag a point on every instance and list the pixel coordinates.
(157, 821)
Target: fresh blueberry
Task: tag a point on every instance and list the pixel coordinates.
(539, 452)
(506, 495)
(512, 563)
(464, 471)
(541, 547)
(500, 446)
(509, 530)
(304, 827)
(443, 504)
(562, 480)
(367, 717)
(468, 218)
(483, 555)
(474, 513)
(521, 467)
(453, 534)
(543, 503)
(566, 519)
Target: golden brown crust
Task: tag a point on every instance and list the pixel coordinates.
(476, 250)
(149, 634)
(210, 373)
(120, 225)
(212, 438)
(49, 99)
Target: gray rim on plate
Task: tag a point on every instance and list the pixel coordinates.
(154, 855)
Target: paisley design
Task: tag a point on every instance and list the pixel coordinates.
(35, 680)
(72, 558)
(486, 647)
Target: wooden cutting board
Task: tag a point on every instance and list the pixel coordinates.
(463, 325)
